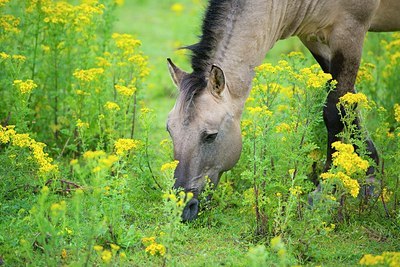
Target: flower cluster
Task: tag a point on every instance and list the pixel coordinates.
(152, 247)
(9, 135)
(124, 145)
(106, 255)
(24, 87)
(391, 259)
(351, 99)
(397, 112)
(346, 163)
(169, 166)
(101, 159)
(88, 75)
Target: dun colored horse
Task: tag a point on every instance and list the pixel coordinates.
(236, 34)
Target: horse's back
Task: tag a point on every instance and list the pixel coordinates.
(387, 16)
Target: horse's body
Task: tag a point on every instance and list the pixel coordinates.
(236, 35)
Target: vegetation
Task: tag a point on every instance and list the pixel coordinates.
(86, 166)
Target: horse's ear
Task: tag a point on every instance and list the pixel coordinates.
(176, 73)
(216, 80)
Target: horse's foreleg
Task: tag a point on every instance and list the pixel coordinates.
(341, 58)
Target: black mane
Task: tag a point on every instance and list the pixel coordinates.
(212, 32)
(214, 26)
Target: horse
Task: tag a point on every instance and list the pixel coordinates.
(204, 123)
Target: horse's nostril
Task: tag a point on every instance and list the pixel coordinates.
(191, 210)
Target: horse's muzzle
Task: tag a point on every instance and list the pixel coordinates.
(191, 210)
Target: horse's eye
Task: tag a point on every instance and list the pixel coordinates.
(209, 138)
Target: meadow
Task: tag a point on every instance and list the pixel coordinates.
(86, 165)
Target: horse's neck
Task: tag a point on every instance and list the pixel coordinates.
(246, 40)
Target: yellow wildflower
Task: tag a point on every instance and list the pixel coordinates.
(123, 145)
(109, 160)
(296, 54)
(351, 99)
(4, 55)
(24, 87)
(177, 8)
(20, 58)
(267, 67)
(64, 254)
(9, 23)
(369, 259)
(114, 247)
(57, 208)
(346, 158)
(21, 140)
(98, 248)
(112, 106)
(126, 42)
(93, 154)
(259, 111)
(3, 2)
(106, 256)
(397, 112)
(119, 2)
(152, 247)
(296, 191)
(88, 75)
(283, 127)
(169, 166)
(125, 90)
(80, 124)
(351, 185)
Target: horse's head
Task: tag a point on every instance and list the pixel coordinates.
(205, 132)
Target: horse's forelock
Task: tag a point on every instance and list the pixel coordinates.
(190, 87)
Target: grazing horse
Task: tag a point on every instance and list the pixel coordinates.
(236, 34)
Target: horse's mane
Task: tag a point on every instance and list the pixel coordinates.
(202, 53)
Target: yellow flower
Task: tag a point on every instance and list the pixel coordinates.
(169, 166)
(397, 112)
(126, 42)
(283, 127)
(112, 106)
(156, 249)
(259, 111)
(93, 154)
(369, 259)
(177, 8)
(98, 248)
(88, 75)
(351, 99)
(351, 185)
(119, 2)
(123, 145)
(267, 67)
(114, 247)
(4, 55)
(21, 140)
(81, 124)
(19, 58)
(109, 161)
(124, 90)
(73, 162)
(296, 54)
(106, 256)
(57, 208)
(296, 191)
(24, 87)
(346, 158)
(3, 2)
(9, 23)
(64, 254)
